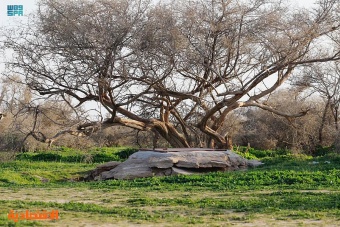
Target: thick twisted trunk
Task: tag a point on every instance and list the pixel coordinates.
(170, 134)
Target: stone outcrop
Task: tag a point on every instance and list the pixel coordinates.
(95, 174)
(166, 162)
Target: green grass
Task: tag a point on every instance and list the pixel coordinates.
(298, 190)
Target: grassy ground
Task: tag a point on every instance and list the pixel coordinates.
(288, 190)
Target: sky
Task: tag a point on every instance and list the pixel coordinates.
(12, 21)
(29, 6)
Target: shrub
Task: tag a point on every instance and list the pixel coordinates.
(63, 154)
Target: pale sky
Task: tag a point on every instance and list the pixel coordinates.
(29, 6)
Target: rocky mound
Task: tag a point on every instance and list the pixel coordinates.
(166, 162)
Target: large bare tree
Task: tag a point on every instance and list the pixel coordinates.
(176, 70)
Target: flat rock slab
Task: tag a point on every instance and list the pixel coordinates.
(148, 163)
(95, 174)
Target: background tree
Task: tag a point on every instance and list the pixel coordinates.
(175, 70)
(26, 115)
(324, 79)
(265, 130)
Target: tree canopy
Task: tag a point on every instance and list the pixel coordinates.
(174, 69)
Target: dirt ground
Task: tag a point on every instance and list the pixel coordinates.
(117, 198)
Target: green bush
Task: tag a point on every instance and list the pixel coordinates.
(11, 142)
(331, 157)
(124, 154)
(252, 153)
(98, 155)
(246, 155)
(321, 151)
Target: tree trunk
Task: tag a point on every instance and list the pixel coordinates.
(323, 121)
(335, 110)
(229, 142)
(170, 134)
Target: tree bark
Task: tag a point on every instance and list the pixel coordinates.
(323, 121)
